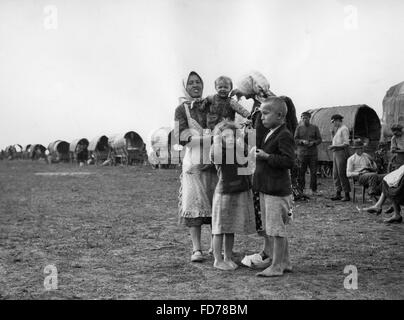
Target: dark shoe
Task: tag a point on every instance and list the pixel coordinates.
(389, 210)
(373, 210)
(393, 219)
(336, 197)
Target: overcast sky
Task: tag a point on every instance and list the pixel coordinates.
(112, 66)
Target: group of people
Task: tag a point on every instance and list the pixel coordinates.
(214, 192)
(360, 166)
(218, 194)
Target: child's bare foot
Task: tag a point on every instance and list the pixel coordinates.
(271, 272)
(231, 263)
(222, 265)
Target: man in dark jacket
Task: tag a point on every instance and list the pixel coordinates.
(307, 138)
(275, 157)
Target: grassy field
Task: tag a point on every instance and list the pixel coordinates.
(112, 233)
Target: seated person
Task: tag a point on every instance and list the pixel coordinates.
(397, 146)
(393, 192)
(361, 166)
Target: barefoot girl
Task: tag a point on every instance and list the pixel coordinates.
(232, 208)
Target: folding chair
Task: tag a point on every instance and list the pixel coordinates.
(355, 184)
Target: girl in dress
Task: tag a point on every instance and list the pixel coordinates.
(232, 208)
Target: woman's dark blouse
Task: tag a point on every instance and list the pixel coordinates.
(198, 113)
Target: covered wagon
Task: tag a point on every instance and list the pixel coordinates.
(14, 151)
(59, 151)
(127, 148)
(362, 121)
(165, 151)
(37, 151)
(98, 149)
(78, 150)
(393, 110)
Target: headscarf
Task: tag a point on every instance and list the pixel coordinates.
(254, 83)
(187, 98)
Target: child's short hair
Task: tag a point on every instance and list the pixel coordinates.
(226, 79)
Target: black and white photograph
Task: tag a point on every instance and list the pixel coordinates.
(201, 154)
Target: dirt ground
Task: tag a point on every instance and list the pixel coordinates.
(112, 233)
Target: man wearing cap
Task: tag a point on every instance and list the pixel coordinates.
(362, 167)
(397, 146)
(307, 138)
(339, 148)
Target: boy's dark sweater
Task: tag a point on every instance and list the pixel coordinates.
(271, 175)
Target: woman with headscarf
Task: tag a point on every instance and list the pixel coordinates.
(197, 188)
(255, 86)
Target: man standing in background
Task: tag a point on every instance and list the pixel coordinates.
(307, 138)
(340, 153)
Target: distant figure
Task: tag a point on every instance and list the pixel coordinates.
(48, 156)
(82, 154)
(307, 138)
(37, 154)
(340, 153)
(11, 152)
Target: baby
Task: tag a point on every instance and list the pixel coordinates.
(220, 107)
